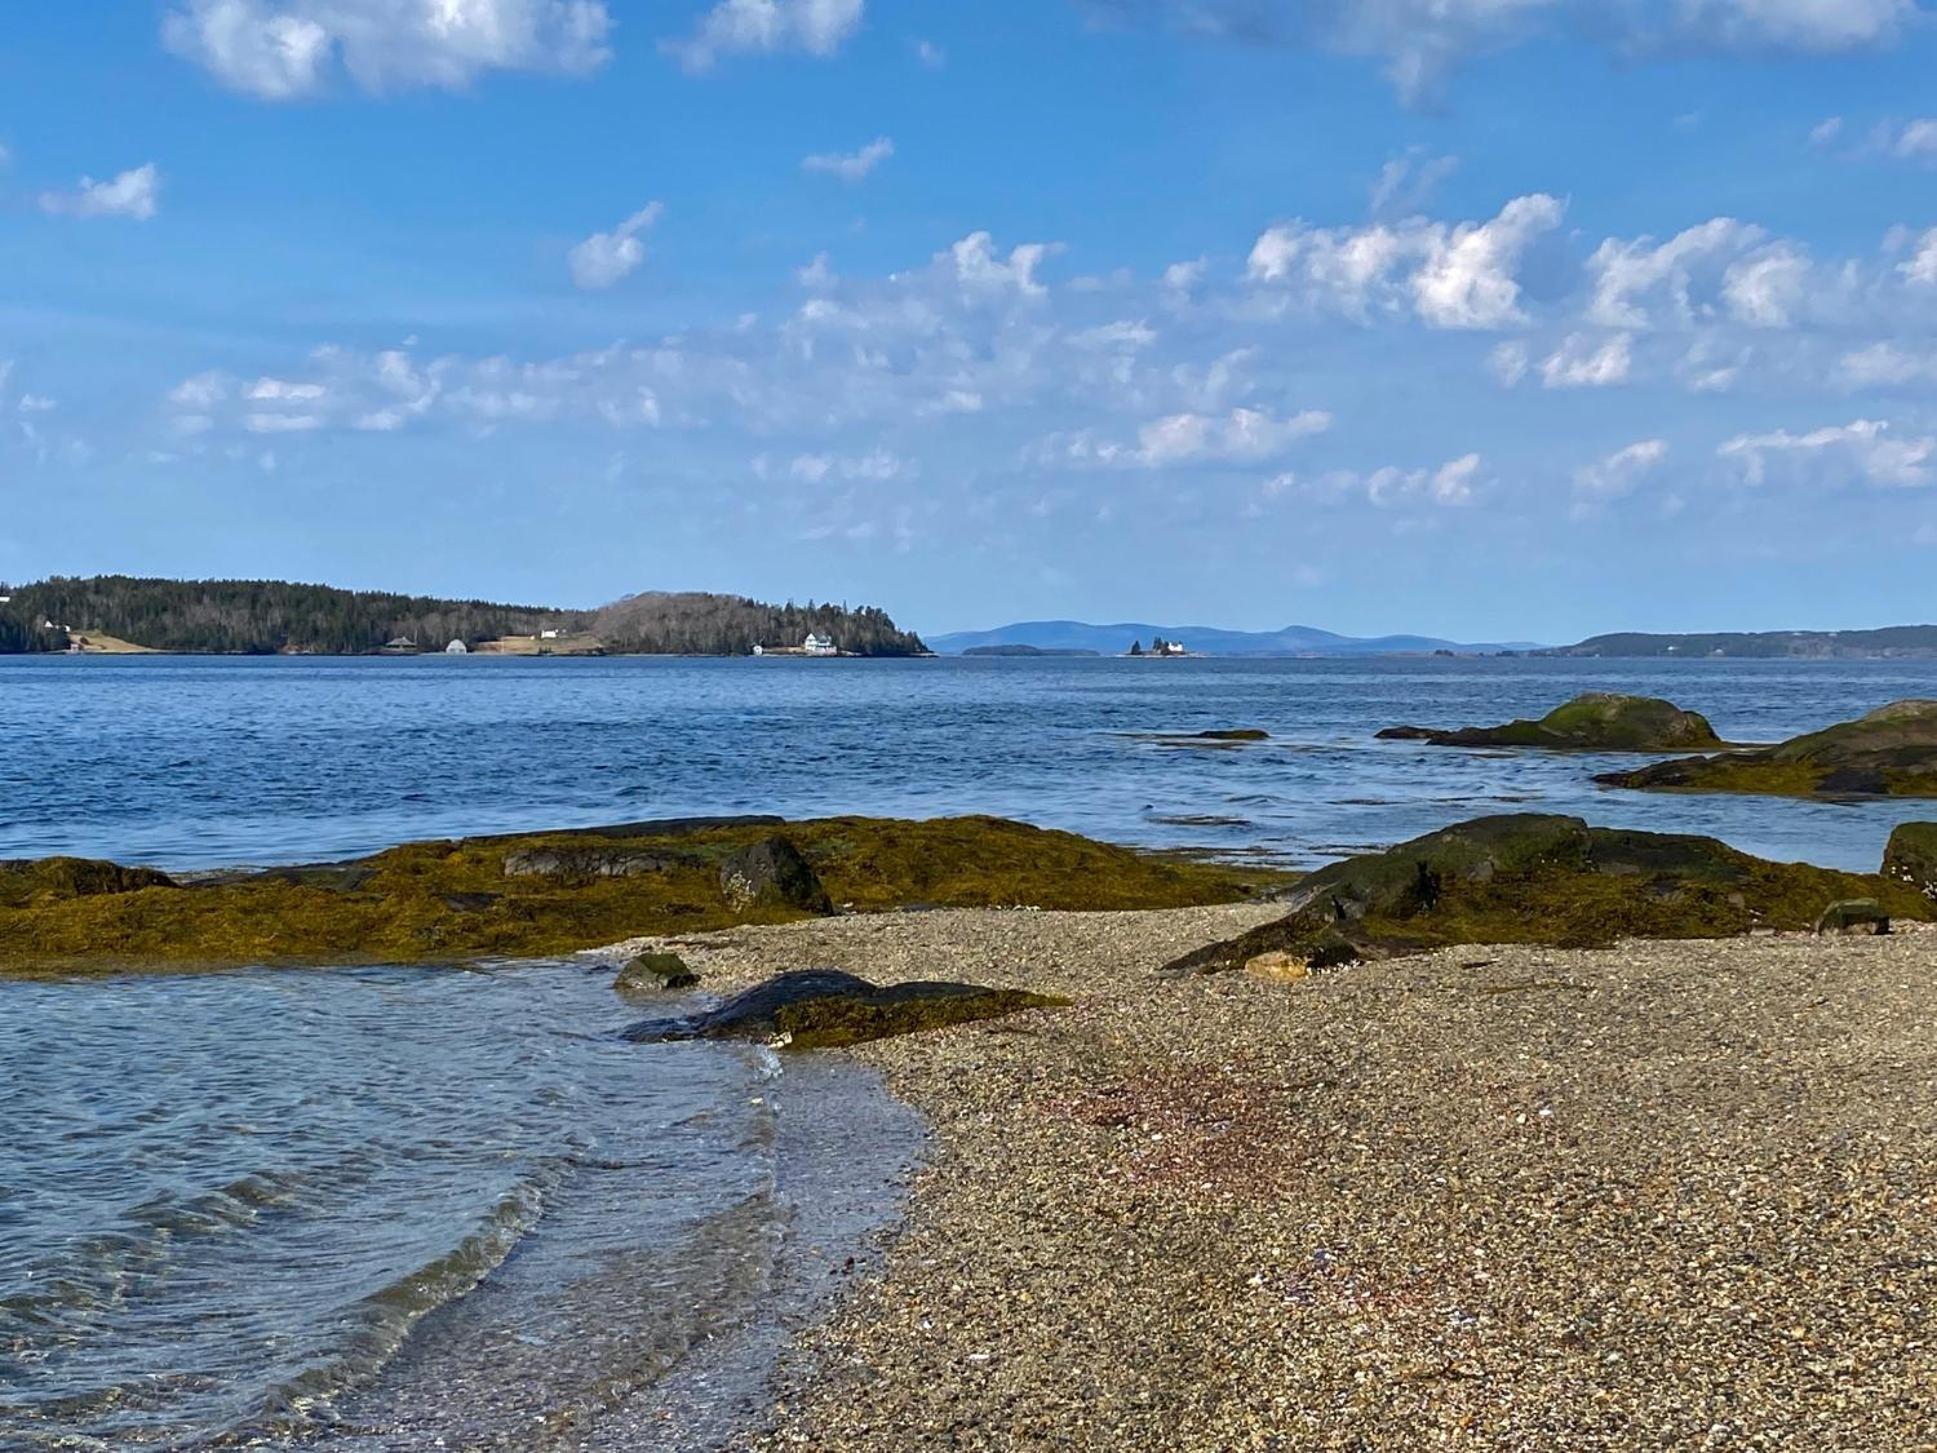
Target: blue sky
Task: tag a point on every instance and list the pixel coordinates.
(1490, 318)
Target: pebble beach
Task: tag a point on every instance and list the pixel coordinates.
(1668, 1195)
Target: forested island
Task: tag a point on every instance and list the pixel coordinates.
(1890, 641)
(271, 617)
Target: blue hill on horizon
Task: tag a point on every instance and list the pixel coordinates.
(1115, 639)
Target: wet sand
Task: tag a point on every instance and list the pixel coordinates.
(1665, 1195)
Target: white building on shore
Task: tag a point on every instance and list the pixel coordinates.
(818, 645)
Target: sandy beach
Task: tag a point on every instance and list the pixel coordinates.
(1665, 1195)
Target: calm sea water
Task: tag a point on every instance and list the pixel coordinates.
(190, 763)
(373, 1207)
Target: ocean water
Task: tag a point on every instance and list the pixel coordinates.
(197, 763)
(368, 1208)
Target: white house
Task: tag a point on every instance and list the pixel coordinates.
(548, 635)
(457, 648)
(818, 645)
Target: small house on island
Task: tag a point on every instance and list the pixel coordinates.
(818, 645)
(457, 648)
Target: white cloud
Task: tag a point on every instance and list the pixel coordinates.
(1617, 475)
(1864, 451)
(1764, 290)
(850, 166)
(1461, 276)
(1238, 436)
(1826, 131)
(1630, 276)
(1886, 364)
(281, 423)
(282, 49)
(819, 27)
(1921, 269)
(979, 269)
(1508, 363)
(1406, 183)
(37, 404)
(135, 193)
(1581, 362)
(930, 54)
(278, 391)
(1452, 484)
(606, 257)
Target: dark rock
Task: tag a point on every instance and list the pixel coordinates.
(25, 880)
(1234, 734)
(1891, 752)
(469, 902)
(1599, 721)
(1855, 915)
(824, 1008)
(1911, 857)
(773, 874)
(654, 973)
(583, 864)
(1533, 878)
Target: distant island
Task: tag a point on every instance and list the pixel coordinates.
(1080, 637)
(1020, 650)
(1889, 642)
(126, 614)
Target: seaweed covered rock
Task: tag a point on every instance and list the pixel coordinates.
(648, 974)
(1892, 752)
(1538, 878)
(1600, 721)
(1911, 857)
(25, 881)
(580, 864)
(773, 874)
(1854, 915)
(824, 1008)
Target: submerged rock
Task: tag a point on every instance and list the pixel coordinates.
(773, 874)
(825, 1008)
(1911, 857)
(648, 974)
(1599, 721)
(1892, 752)
(1537, 878)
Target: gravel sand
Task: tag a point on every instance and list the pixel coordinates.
(1673, 1195)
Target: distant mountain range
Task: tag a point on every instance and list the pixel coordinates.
(1114, 640)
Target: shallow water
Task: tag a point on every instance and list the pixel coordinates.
(256, 1202)
(186, 762)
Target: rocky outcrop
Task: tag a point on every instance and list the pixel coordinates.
(581, 864)
(29, 880)
(1911, 857)
(773, 874)
(653, 973)
(1533, 878)
(1855, 915)
(824, 1008)
(1892, 752)
(1597, 722)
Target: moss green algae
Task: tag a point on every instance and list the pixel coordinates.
(453, 902)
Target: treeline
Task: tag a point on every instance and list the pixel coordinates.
(1901, 641)
(264, 617)
(694, 624)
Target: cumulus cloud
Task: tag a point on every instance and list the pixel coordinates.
(605, 258)
(979, 268)
(1921, 269)
(1582, 362)
(1453, 483)
(279, 50)
(732, 27)
(1863, 451)
(852, 166)
(1617, 475)
(135, 193)
(1886, 364)
(1721, 269)
(1458, 276)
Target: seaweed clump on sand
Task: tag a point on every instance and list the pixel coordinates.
(1545, 879)
(1599, 721)
(1892, 752)
(827, 1009)
(549, 893)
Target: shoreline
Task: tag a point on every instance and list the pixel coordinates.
(1484, 1198)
